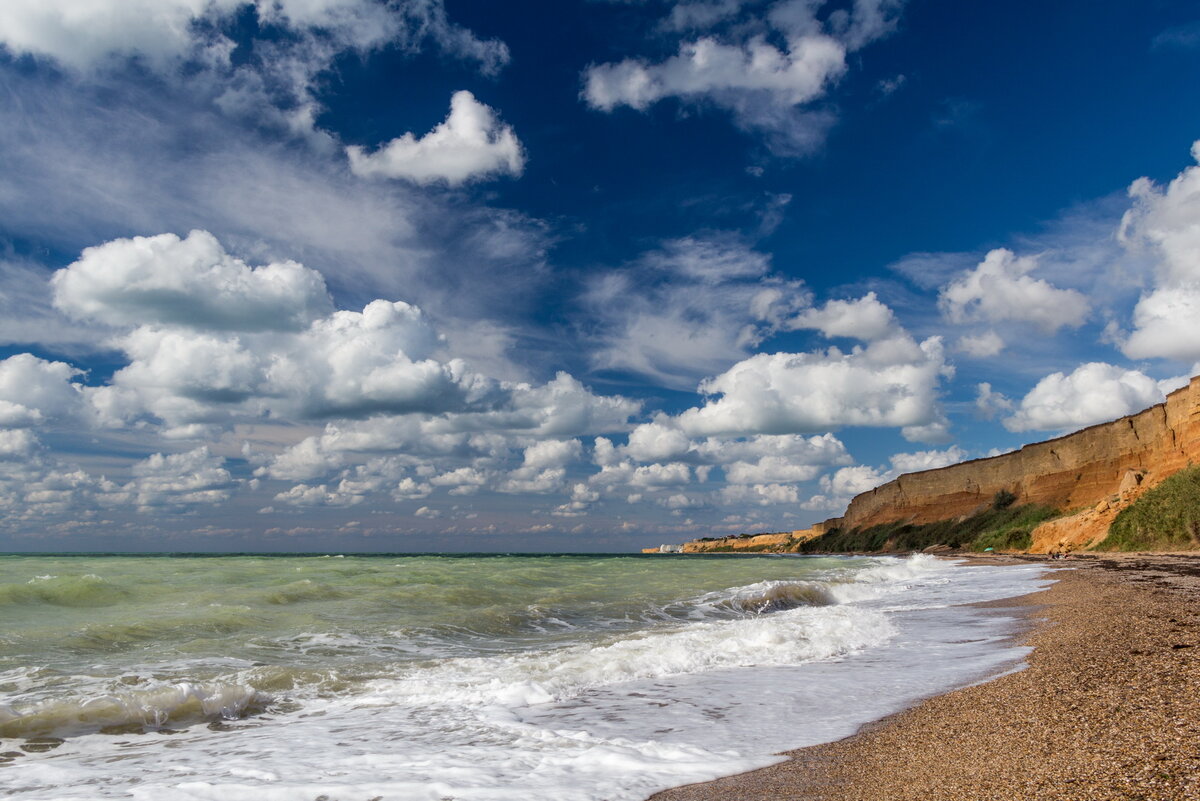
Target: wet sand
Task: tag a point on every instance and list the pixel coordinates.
(1109, 708)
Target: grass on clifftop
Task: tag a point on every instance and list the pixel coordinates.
(1165, 518)
(1006, 528)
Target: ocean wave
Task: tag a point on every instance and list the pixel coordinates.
(151, 707)
(768, 623)
(187, 624)
(787, 638)
(75, 591)
(772, 596)
(303, 590)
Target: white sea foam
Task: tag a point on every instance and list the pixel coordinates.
(719, 684)
(787, 638)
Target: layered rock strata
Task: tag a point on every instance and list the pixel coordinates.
(1078, 471)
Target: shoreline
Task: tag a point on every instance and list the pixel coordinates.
(1108, 707)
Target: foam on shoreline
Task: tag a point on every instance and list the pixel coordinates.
(1106, 708)
(718, 685)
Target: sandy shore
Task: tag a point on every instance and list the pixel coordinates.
(1109, 708)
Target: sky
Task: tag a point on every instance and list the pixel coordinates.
(570, 275)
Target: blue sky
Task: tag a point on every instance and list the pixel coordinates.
(423, 275)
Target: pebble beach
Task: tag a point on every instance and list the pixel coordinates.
(1107, 708)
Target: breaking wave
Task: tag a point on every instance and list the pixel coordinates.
(151, 707)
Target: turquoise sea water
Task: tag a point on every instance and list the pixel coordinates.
(461, 677)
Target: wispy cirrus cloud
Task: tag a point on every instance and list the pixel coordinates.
(295, 40)
(767, 68)
(688, 309)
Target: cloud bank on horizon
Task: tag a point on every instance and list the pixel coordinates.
(662, 269)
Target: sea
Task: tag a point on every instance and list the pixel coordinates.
(331, 677)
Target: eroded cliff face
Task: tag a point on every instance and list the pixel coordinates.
(1078, 471)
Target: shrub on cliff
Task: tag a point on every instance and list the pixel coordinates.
(1165, 518)
(1017, 538)
(1011, 528)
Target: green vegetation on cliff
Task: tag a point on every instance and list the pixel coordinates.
(1003, 527)
(1165, 518)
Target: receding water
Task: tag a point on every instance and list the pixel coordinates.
(559, 677)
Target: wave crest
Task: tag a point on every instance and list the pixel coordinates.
(185, 702)
(76, 591)
(777, 596)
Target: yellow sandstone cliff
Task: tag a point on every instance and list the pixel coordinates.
(754, 542)
(1103, 464)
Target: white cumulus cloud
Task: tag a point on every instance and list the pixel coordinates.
(890, 382)
(752, 466)
(349, 364)
(320, 495)
(759, 494)
(769, 469)
(471, 144)
(1168, 219)
(213, 344)
(851, 481)
(655, 442)
(822, 449)
(193, 282)
(865, 318)
(1166, 324)
(17, 445)
(989, 403)
(33, 389)
(180, 479)
(1166, 222)
(1093, 393)
(543, 467)
(981, 346)
(1001, 288)
(926, 460)
(552, 453)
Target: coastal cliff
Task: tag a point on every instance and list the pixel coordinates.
(1073, 472)
(1090, 475)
